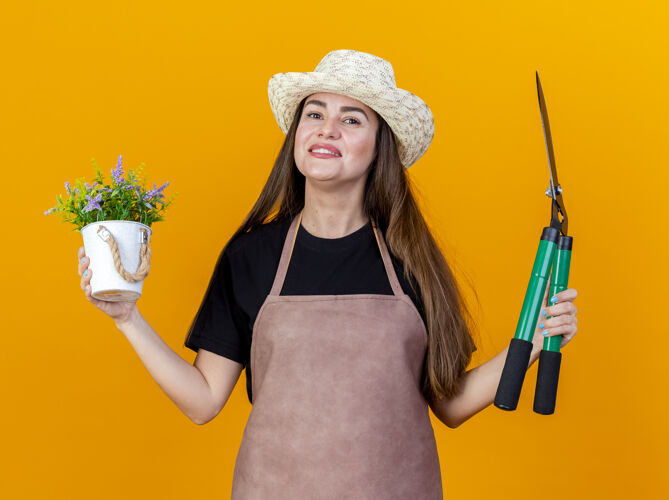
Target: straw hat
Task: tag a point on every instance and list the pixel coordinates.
(370, 80)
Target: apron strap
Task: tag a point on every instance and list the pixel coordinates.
(288, 244)
(387, 263)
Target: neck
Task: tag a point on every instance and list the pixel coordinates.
(332, 215)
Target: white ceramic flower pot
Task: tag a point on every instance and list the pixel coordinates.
(130, 245)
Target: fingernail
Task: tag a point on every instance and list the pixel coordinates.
(543, 312)
(81, 248)
(545, 332)
(554, 299)
(83, 258)
(86, 272)
(541, 325)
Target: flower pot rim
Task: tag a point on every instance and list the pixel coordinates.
(114, 220)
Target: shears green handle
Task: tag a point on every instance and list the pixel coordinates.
(551, 262)
(520, 348)
(550, 357)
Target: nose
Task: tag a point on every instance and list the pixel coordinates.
(327, 129)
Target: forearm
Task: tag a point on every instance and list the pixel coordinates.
(477, 390)
(183, 383)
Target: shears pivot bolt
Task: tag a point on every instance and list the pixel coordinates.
(549, 191)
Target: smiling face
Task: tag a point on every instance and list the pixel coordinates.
(335, 138)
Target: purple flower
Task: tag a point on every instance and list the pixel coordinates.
(148, 205)
(118, 172)
(93, 203)
(156, 192)
(67, 187)
(49, 211)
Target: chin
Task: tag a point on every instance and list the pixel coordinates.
(320, 177)
(322, 171)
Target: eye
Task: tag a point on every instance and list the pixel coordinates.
(355, 120)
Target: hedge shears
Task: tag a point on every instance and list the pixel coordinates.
(552, 260)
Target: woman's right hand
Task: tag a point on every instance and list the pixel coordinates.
(119, 311)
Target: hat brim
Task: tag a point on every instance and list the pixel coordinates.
(407, 115)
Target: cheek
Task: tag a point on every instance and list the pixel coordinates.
(302, 134)
(300, 140)
(364, 147)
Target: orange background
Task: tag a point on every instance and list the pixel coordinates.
(183, 88)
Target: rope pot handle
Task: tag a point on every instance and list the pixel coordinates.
(144, 255)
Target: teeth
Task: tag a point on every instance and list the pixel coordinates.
(323, 150)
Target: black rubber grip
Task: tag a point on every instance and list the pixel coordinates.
(550, 234)
(547, 382)
(513, 374)
(565, 243)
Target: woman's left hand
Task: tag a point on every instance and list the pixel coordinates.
(561, 316)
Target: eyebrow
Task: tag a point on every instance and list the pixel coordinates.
(343, 108)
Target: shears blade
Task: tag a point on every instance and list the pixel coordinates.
(555, 190)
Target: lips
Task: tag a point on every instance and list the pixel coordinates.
(328, 147)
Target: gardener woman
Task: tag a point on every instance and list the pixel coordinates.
(336, 299)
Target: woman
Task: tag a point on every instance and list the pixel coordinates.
(346, 340)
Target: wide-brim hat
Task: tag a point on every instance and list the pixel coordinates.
(370, 80)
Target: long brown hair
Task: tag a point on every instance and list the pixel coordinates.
(389, 201)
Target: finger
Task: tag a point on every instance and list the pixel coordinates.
(568, 294)
(83, 264)
(562, 319)
(566, 339)
(88, 292)
(86, 278)
(89, 295)
(566, 329)
(559, 308)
